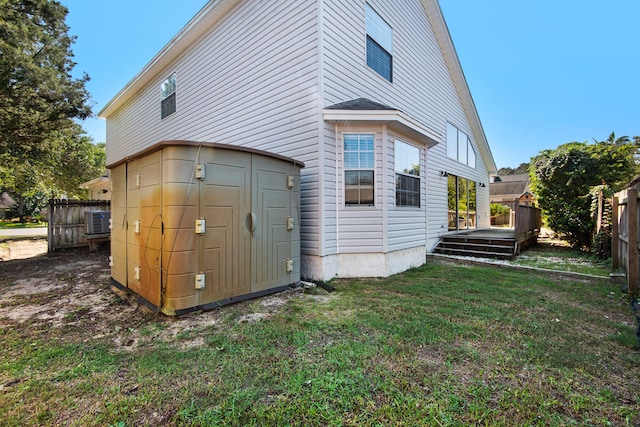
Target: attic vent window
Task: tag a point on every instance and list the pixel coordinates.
(379, 44)
(168, 96)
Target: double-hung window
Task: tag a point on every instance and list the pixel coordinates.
(168, 96)
(379, 44)
(359, 167)
(407, 167)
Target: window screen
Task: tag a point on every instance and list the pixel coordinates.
(379, 44)
(407, 168)
(168, 96)
(359, 164)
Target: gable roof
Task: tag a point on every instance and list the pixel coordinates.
(515, 188)
(510, 185)
(521, 177)
(6, 201)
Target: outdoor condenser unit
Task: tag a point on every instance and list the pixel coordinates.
(97, 222)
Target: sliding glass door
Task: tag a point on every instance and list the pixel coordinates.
(462, 203)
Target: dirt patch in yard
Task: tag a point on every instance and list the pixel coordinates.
(11, 249)
(71, 291)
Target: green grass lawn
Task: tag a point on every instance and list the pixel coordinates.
(440, 345)
(557, 255)
(18, 225)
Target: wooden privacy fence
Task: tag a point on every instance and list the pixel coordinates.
(504, 219)
(625, 235)
(67, 228)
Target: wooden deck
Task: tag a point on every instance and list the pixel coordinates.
(489, 233)
(504, 243)
(498, 243)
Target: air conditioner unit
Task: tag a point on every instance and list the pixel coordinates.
(97, 222)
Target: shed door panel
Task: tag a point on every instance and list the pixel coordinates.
(119, 224)
(225, 248)
(271, 243)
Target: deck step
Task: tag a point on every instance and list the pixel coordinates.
(484, 247)
(477, 247)
(475, 254)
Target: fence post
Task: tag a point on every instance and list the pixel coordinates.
(615, 235)
(632, 273)
(50, 227)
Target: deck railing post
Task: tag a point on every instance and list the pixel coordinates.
(517, 220)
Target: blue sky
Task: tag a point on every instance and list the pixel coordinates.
(541, 72)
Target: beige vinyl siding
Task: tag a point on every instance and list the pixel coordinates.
(235, 86)
(360, 229)
(250, 81)
(329, 204)
(422, 87)
(406, 226)
(418, 66)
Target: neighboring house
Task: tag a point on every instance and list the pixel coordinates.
(369, 95)
(7, 204)
(505, 189)
(98, 188)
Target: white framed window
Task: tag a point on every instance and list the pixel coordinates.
(168, 96)
(407, 168)
(379, 43)
(359, 169)
(459, 147)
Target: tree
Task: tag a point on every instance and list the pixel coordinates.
(523, 168)
(38, 95)
(43, 151)
(563, 178)
(55, 169)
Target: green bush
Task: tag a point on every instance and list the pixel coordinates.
(499, 209)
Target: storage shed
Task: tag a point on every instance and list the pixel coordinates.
(198, 225)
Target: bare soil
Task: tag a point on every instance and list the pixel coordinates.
(11, 249)
(72, 289)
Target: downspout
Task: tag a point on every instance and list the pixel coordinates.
(321, 134)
